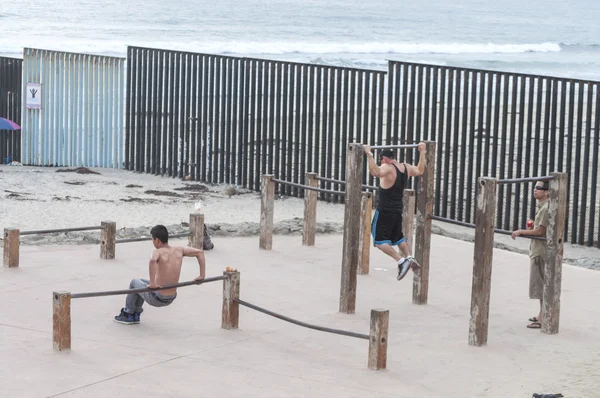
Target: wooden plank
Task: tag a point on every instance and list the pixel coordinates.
(11, 247)
(310, 210)
(425, 200)
(557, 208)
(231, 308)
(366, 210)
(485, 214)
(196, 238)
(267, 204)
(378, 339)
(351, 251)
(61, 321)
(408, 216)
(108, 239)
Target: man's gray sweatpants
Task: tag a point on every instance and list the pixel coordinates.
(134, 301)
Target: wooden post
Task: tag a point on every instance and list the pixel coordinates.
(485, 214)
(310, 210)
(108, 239)
(408, 216)
(366, 209)
(267, 203)
(61, 321)
(378, 339)
(352, 232)
(423, 229)
(557, 208)
(196, 238)
(11, 247)
(231, 308)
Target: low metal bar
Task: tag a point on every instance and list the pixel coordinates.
(147, 289)
(50, 231)
(143, 239)
(299, 323)
(526, 179)
(369, 187)
(293, 184)
(394, 146)
(469, 225)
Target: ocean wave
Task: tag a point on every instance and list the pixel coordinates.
(235, 47)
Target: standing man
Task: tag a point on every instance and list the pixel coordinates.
(386, 227)
(537, 248)
(164, 269)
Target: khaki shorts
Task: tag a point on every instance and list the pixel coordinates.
(536, 278)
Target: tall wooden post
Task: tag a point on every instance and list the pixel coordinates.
(426, 195)
(196, 238)
(11, 247)
(485, 214)
(378, 339)
(366, 209)
(408, 216)
(352, 232)
(108, 240)
(267, 203)
(557, 208)
(231, 308)
(310, 210)
(61, 321)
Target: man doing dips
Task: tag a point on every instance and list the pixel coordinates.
(386, 227)
(164, 269)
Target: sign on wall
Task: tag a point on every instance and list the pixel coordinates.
(34, 96)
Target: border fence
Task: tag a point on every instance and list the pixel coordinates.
(11, 70)
(221, 119)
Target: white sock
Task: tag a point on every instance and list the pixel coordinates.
(401, 260)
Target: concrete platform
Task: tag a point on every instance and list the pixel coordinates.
(180, 350)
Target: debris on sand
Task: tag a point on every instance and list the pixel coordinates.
(163, 193)
(193, 188)
(133, 186)
(74, 182)
(79, 170)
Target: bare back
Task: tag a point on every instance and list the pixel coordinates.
(169, 261)
(388, 180)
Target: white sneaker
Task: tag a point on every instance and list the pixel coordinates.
(403, 268)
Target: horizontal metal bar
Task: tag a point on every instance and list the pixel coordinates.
(394, 146)
(526, 179)
(309, 188)
(50, 231)
(304, 324)
(369, 187)
(146, 289)
(469, 225)
(143, 239)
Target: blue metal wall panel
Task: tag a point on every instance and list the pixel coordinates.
(81, 120)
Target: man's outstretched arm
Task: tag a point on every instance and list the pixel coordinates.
(199, 254)
(375, 170)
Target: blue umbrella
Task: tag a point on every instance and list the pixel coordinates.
(6, 124)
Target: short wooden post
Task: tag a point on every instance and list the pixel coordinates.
(352, 232)
(408, 216)
(378, 339)
(11, 247)
(485, 215)
(366, 209)
(267, 203)
(196, 238)
(423, 229)
(108, 240)
(231, 308)
(557, 208)
(310, 210)
(61, 321)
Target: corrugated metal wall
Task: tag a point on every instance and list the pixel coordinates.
(80, 122)
(10, 107)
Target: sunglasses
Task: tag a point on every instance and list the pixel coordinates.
(539, 188)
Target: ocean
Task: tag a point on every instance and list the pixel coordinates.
(551, 37)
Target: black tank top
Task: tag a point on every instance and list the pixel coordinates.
(390, 199)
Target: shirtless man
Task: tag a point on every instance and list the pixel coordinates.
(386, 227)
(164, 269)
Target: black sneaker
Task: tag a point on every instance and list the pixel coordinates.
(136, 317)
(125, 318)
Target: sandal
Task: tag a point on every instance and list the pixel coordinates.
(533, 319)
(534, 325)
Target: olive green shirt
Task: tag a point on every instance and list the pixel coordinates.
(537, 248)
